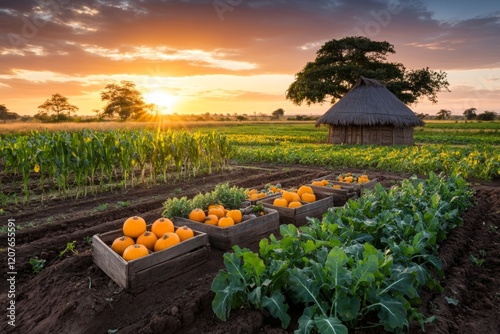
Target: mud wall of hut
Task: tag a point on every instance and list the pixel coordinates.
(370, 135)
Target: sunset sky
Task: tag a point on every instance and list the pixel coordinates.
(234, 56)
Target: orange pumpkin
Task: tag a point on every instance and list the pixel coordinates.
(162, 226)
(236, 215)
(280, 202)
(198, 215)
(318, 183)
(294, 204)
(135, 252)
(147, 239)
(184, 233)
(119, 244)
(288, 195)
(226, 221)
(305, 189)
(218, 211)
(308, 198)
(212, 220)
(167, 240)
(134, 227)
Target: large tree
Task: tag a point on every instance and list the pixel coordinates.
(5, 114)
(340, 63)
(443, 114)
(123, 100)
(56, 108)
(470, 113)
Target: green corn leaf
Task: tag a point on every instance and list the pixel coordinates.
(329, 325)
(278, 307)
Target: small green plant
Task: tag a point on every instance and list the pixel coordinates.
(70, 247)
(88, 239)
(123, 204)
(102, 207)
(37, 264)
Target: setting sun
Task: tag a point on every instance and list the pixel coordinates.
(163, 100)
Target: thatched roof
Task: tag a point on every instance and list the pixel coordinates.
(369, 102)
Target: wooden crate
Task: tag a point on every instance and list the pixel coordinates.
(240, 234)
(339, 196)
(298, 216)
(254, 201)
(349, 189)
(153, 268)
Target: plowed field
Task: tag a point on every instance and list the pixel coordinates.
(72, 295)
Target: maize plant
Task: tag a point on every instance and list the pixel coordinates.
(70, 162)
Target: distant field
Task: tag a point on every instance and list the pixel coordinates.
(267, 133)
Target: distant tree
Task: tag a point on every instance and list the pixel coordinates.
(5, 114)
(57, 108)
(241, 118)
(123, 100)
(487, 116)
(443, 114)
(278, 113)
(422, 116)
(470, 113)
(340, 63)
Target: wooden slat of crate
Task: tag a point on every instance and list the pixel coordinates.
(125, 273)
(298, 216)
(240, 234)
(254, 201)
(351, 187)
(340, 196)
(169, 269)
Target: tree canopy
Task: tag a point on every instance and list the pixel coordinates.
(340, 63)
(470, 113)
(5, 114)
(56, 108)
(123, 100)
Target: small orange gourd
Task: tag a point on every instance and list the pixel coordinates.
(212, 220)
(147, 239)
(226, 221)
(184, 233)
(294, 204)
(134, 227)
(218, 211)
(308, 198)
(162, 226)
(169, 239)
(198, 215)
(135, 252)
(236, 215)
(120, 243)
(280, 202)
(304, 189)
(288, 195)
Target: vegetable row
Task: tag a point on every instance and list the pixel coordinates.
(362, 265)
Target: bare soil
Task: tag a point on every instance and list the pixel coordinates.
(72, 295)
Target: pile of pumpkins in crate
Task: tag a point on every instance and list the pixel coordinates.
(137, 241)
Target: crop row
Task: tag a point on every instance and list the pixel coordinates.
(477, 162)
(83, 158)
(362, 266)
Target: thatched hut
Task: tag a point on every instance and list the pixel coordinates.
(370, 114)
